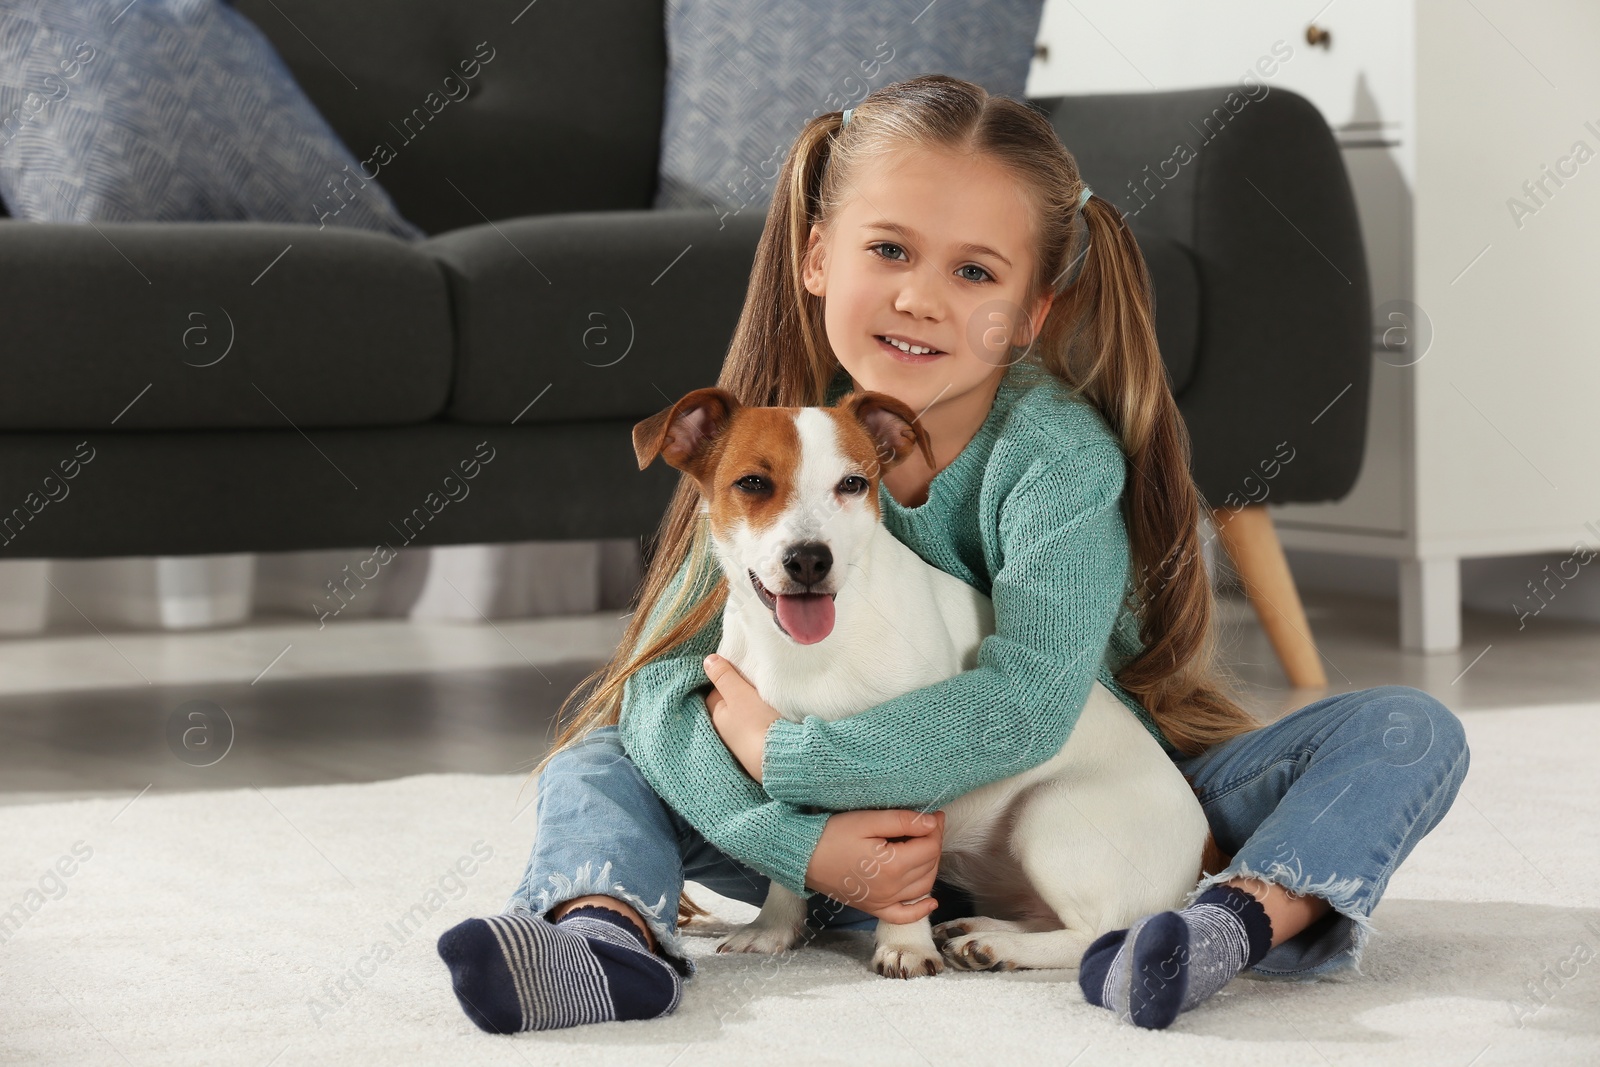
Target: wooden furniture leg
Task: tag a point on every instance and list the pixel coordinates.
(1252, 544)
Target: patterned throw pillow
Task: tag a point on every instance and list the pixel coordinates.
(166, 111)
(743, 77)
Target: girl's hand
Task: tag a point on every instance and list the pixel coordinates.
(738, 713)
(881, 862)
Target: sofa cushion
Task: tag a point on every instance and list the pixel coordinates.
(485, 110)
(166, 111)
(190, 325)
(744, 78)
(591, 315)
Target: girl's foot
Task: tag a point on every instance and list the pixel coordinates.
(518, 972)
(1170, 962)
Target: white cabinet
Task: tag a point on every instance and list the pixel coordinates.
(1480, 438)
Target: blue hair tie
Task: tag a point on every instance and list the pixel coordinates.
(846, 120)
(1062, 282)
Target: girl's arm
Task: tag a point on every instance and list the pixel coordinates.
(668, 734)
(1060, 586)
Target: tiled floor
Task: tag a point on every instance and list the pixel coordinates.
(85, 713)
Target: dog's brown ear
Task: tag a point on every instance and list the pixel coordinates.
(683, 433)
(892, 424)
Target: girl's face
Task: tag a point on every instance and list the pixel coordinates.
(934, 249)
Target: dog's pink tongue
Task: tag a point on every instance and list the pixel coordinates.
(806, 617)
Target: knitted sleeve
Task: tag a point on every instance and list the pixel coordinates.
(1057, 592)
(667, 732)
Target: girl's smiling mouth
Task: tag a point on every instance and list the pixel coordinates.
(923, 354)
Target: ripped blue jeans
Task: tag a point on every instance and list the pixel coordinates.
(1327, 800)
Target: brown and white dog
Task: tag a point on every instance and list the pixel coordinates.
(829, 614)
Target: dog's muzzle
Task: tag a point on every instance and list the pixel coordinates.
(804, 618)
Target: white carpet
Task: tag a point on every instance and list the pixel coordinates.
(212, 928)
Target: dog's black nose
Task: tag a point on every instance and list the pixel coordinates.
(808, 562)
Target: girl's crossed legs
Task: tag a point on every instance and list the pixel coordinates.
(1282, 799)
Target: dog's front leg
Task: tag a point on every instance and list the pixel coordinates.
(776, 929)
(906, 950)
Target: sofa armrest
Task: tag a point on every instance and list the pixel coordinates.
(1256, 190)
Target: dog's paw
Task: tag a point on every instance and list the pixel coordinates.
(977, 924)
(755, 937)
(973, 952)
(896, 961)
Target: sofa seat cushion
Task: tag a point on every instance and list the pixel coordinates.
(594, 315)
(191, 325)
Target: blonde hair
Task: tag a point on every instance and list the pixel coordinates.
(1098, 339)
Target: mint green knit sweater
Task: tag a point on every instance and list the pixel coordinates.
(1029, 514)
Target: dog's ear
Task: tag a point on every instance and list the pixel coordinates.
(683, 433)
(892, 424)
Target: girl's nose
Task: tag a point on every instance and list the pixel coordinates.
(921, 295)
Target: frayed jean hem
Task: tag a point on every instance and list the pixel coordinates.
(1325, 947)
(586, 881)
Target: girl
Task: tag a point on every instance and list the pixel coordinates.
(937, 217)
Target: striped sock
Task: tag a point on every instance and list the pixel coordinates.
(1169, 962)
(517, 972)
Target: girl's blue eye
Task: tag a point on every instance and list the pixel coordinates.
(970, 266)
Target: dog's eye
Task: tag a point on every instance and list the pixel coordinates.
(753, 483)
(853, 484)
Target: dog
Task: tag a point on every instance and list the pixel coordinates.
(829, 614)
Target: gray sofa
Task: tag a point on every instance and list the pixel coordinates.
(246, 387)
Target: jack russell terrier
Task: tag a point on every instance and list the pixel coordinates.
(829, 614)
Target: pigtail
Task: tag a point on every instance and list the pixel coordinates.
(1115, 354)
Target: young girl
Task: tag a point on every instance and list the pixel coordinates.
(934, 216)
